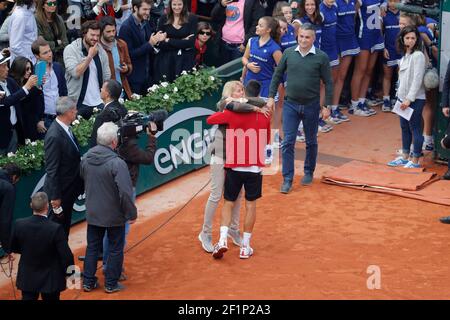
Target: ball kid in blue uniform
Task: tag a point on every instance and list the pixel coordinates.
(371, 42)
(309, 12)
(391, 56)
(328, 11)
(262, 54)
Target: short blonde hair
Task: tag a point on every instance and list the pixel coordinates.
(229, 87)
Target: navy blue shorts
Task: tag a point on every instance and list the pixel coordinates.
(332, 53)
(348, 46)
(371, 41)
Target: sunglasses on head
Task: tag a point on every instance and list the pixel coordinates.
(51, 3)
(208, 33)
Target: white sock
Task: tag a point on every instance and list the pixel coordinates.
(388, 98)
(223, 234)
(355, 103)
(246, 239)
(428, 139)
(334, 107)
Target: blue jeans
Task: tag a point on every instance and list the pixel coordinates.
(292, 115)
(230, 52)
(105, 238)
(412, 129)
(116, 240)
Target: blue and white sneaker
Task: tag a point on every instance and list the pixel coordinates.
(300, 136)
(277, 141)
(368, 109)
(397, 162)
(387, 106)
(361, 111)
(411, 164)
(339, 116)
(324, 127)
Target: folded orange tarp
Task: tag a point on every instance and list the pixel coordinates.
(409, 183)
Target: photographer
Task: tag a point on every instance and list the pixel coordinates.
(113, 110)
(9, 176)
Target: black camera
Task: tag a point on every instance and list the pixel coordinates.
(136, 122)
(428, 4)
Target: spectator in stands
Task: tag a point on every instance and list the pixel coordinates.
(117, 51)
(53, 87)
(23, 25)
(102, 8)
(236, 24)
(11, 125)
(109, 205)
(5, 8)
(9, 176)
(204, 34)
(33, 104)
(141, 40)
(43, 264)
(177, 51)
(51, 27)
(87, 67)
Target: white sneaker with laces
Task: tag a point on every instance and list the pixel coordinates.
(219, 250)
(245, 252)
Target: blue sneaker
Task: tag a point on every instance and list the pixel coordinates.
(324, 127)
(387, 106)
(341, 116)
(368, 109)
(411, 164)
(397, 162)
(361, 111)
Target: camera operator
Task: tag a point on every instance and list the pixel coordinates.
(113, 110)
(133, 155)
(9, 176)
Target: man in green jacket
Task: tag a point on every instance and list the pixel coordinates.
(305, 67)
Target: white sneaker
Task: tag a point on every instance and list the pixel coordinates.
(269, 155)
(245, 252)
(219, 250)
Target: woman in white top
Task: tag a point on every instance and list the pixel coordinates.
(411, 94)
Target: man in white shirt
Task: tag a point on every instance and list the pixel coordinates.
(87, 67)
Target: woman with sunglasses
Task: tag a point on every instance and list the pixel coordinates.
(33, 105)
(204, 34)
(51, 27)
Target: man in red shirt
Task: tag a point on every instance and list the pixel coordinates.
(246, 138)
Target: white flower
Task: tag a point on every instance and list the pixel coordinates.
(194, 68)
(164, 84)
(135, 96)
(27, 141)
(79, 117)
(183, 73)
(34, 143)
(212, 78)
(166, 97)
(95, 110)
(10, 154)
(121, 100)
(153, 88)
(175, 89)
(33, 156)
(75, 122)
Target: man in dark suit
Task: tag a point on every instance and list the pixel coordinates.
(9, 176)
(113, 110)
(63, 183)
(141, 39)
(45, 254)
(11, 130)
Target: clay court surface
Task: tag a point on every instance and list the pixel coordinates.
(314, 243)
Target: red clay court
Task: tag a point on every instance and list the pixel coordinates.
(315, 243)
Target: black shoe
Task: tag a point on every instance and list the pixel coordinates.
(286, 187)
(117, 288)
(87, 288)
(446, 176)
(307, 179)
(445, 220)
